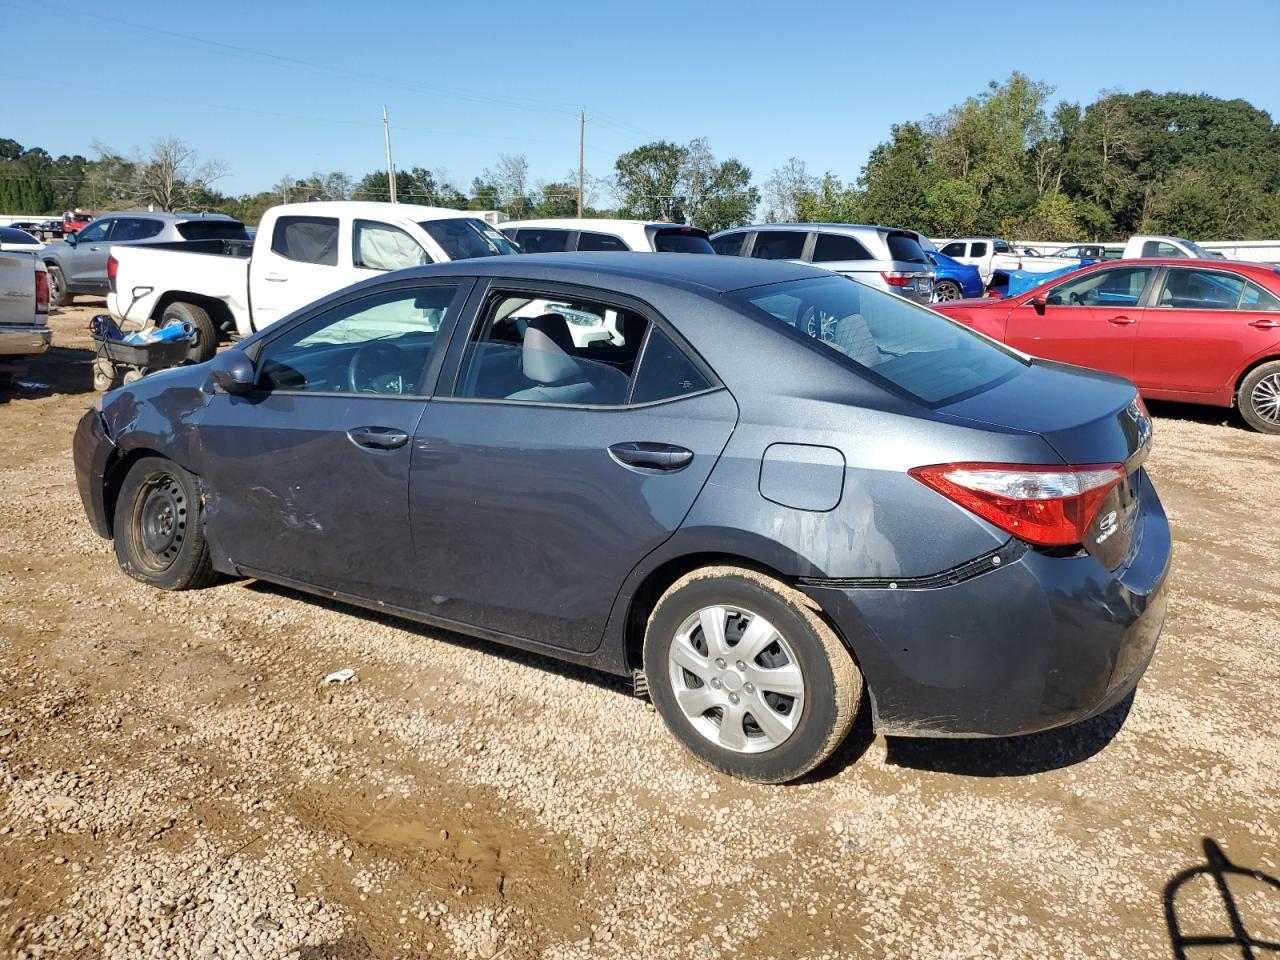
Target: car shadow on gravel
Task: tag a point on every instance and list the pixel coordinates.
(1011, 756)
(549, 664)
(1220, 880)
(57, 370)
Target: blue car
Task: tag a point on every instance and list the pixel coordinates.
(954, 280)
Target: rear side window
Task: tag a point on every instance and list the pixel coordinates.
(135, 228)
(307, 239)
(905, 247)
(898, 342)
(1200, 290)
(779, 245)
(380, 246)
(953, 250)
(665, 371)
(681, 240)
(977, 249)
(212, 230)
(600, 241)
(837, 246)
(730, 245)
(543, 241)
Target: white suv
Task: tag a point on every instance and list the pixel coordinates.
(557, 236)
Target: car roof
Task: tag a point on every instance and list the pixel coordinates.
(1244, 266)
(370, 208)
(627, 272)
(833, 227)
(174, 216)
(586, 223)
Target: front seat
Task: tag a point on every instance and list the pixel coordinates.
(547, 360)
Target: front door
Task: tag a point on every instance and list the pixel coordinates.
(1090, 320)
(308, 474)
(86, 262)
(562, 460)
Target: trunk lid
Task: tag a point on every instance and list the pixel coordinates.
(1088, 418)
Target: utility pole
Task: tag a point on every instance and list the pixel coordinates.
(391, 167)
(582, 174)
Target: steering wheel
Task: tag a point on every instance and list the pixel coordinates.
(1077, 299)
(375, 368)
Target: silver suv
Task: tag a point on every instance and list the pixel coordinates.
(883, 257)
(79, 263)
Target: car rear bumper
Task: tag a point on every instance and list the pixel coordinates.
(1036, 642)
(91, 451)
(24, 341)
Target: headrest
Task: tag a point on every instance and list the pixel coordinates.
(545, 357)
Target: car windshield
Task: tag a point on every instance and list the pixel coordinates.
(914, 349)
(681, 240)
(462, 238)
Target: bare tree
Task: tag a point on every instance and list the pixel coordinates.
(511, 177)
(172, 175)
(784, 191)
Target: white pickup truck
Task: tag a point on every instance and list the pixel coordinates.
(24, 303)
(302, 251)
(991, 255)
(1151, 246)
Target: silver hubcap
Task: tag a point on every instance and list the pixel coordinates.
(947, 292)
(1265, 398)
(736, 679)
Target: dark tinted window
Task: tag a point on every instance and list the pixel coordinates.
(837, 246)
(977, 249)
(681, 240)
(905, 247)
(1002, 246)
(463, 238)
(953, 250)
(778, 245)
(600, 241)
(533, 240)
(907, 345)
(730, 244)
(307, 239)
(665, 371)
(135, 228)
(376, 345)
(212, 230)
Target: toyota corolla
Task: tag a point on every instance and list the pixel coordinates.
(772, 495)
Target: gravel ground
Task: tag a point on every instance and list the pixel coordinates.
(176, 781)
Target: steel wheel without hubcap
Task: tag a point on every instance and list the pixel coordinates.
(736, 679)
(160, 521)
(1265, 398)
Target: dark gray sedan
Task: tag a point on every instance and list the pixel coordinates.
(771, 493)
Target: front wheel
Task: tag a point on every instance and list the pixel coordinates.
(159, 537)
(1259, 398)
(748, 676)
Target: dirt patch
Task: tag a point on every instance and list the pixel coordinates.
(176, 781)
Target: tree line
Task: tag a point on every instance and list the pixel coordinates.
(1005, 161)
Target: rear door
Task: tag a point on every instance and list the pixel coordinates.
(1202, 327)
(1090, 320)
(296, 264)
(559, 462)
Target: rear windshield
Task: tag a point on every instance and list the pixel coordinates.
(462, 238)
(914, 349)
(681, 240)
(903, 246)
(212, 230)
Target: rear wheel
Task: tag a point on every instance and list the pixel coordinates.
(205, 344)
(748, 676)
(1259, 397)
(58, 294)
(945, 290)
(159, 537)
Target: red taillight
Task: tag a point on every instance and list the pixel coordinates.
(42, 292)
(897, 278)
(1047, 505)
(113, 267)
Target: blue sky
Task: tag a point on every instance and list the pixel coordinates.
(467, 81)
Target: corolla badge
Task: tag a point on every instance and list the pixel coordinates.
(1107, 525)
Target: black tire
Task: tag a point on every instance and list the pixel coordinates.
(832, 684)
(159, 533)
(946, 290)
(1259, 397)
(206, 344)
(59, 295)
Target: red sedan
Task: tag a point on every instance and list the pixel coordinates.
(1199, 331)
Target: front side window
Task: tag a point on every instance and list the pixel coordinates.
(1200, 290)
(1002, 246)
(378, 344)
(307, 240)
(95, 232)
(838, 246)
(779, 245)
(1119, 287)
(600, 241)
(380, 246)
(545, 349)
(462, 238)
(903, 344)
(729, 245)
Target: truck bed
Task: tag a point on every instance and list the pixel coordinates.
(207, 273)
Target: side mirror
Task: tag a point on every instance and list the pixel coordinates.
(232, 371)
(1040, 301)
(71, 238)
